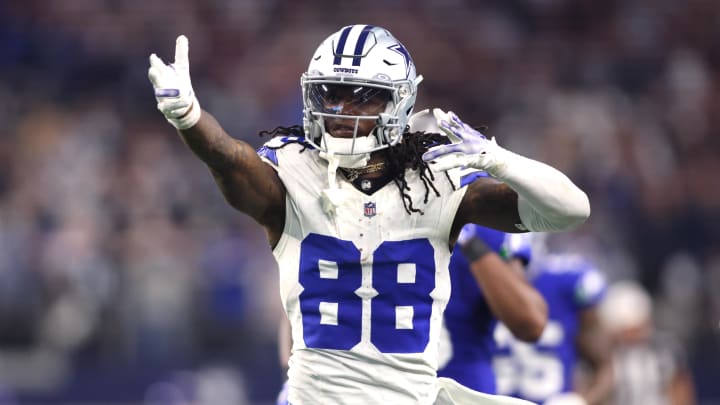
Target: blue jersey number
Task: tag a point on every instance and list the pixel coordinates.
(532, 372)
(403, 274)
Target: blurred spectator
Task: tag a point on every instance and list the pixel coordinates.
(650, 367)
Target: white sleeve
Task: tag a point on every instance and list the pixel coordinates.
(547, 199)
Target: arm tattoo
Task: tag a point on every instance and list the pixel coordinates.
(213, 145)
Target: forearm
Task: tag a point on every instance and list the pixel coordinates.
(510, 297)
(599, 387)
(547, 199)
(209, 141)
(247, 183)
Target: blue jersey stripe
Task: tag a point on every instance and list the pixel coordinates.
(341, 45)
(268, 153)
(469, 178)
(361, 44)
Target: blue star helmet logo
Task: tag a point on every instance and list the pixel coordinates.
(399, 48)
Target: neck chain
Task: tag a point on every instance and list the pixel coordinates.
(352, 174)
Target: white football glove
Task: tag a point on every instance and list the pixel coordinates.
(566, 398)
(469, 148)
(547, 199)
(173, 90)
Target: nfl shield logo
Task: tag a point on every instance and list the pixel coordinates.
(370, 209)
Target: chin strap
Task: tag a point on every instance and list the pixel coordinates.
(346, 161)
(333, 196)
(342, 150)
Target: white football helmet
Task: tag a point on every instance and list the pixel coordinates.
(364, 63)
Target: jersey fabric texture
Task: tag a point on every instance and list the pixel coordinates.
(538, 371)
(364, 286)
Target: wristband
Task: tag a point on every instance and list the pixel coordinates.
(474, 249)
(189, 119)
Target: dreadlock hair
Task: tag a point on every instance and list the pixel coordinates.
(293, 130)
(407, 154)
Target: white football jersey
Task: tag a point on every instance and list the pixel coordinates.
(364, 283)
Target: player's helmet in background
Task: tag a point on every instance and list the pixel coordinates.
(627, 305)
(371, 60)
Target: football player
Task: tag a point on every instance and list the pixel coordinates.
(485, 288)
(361, 215)
(544, 371)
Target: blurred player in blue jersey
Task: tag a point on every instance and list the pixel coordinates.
(544, 372)
(361, 214)
(485, 288)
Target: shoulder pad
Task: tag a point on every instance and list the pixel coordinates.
(269, 150)
(268, 153)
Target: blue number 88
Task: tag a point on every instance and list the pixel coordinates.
(403, 274)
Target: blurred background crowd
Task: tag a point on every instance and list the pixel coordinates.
(124, 276)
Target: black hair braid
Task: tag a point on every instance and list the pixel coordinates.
(293, 130)
(408, 155)
(405, 155)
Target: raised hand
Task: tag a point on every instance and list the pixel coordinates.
(469, 147)
(173, 89)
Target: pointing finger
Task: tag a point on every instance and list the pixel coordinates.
(156, 68)
(181, 53)
(153, 76)
(439, 151)
(155, 61)
(447, 162)
(455, 119)
(450, 132)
